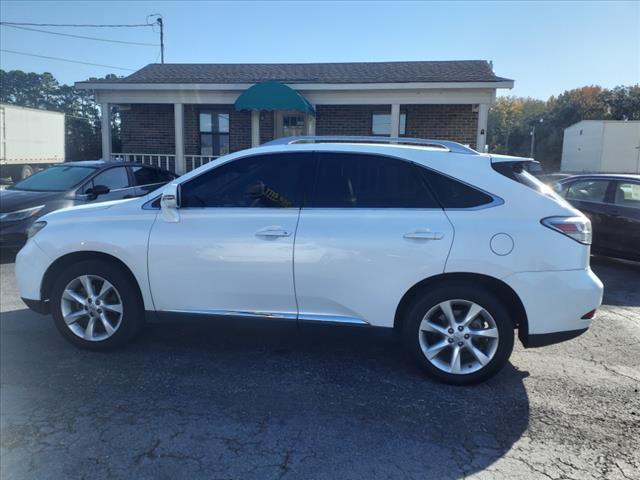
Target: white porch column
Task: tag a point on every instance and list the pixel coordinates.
(311, 125)
(481, 137)
(395, 120)
(105, 119)
(255, 128)
(178, 118)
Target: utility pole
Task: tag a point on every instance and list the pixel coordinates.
(159, 21)
(533, 137)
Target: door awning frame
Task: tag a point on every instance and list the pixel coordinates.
(271, 96)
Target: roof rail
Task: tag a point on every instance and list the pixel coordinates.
(448, 145)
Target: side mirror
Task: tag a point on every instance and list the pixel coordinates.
(92, 193)
(169, 203)
(98, 190)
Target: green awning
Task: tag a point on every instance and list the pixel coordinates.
(272, 96)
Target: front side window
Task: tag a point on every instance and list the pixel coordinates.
(113, 178)
(628, 194)
(351, 180)
(149, 176)
(214, 133)
(381, 123)
(588, 190)
(271, 181)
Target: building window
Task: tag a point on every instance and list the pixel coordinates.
(381, 123)
(214, 133)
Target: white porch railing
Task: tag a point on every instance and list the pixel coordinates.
(194, 161)
(166, 161)
(163, 160)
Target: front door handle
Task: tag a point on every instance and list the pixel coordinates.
(270, 232)
(424, 235)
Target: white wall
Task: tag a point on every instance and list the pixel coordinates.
(621, 147)
(30, 136)
(582, 147)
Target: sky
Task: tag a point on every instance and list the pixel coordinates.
(546, 47)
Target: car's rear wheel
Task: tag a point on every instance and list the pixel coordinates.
(96, 305)
(458, 334)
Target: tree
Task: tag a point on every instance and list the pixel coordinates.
(511, 119)
(82, 114)
(623, 103)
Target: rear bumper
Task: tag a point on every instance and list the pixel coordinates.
(555, 303)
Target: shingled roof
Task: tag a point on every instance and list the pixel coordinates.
(362, 72)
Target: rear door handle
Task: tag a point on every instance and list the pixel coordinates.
(270, 232)
(424, 235)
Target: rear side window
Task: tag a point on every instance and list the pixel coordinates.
(628, 194)
(267, 181)
(454, 194)
(352, 180)
(588, 190)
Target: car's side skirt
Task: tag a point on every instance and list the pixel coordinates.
(303, 317)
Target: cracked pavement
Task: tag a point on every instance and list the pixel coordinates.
(249, 400)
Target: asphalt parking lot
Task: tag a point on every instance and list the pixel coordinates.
(230, 400)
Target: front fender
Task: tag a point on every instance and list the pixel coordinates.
(119, 233)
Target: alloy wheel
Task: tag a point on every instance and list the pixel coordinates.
(91, 308)
(458, 336)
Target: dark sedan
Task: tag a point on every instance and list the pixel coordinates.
(612, 202)
(69, 184)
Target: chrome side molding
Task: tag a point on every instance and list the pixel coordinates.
(336, 319)
(235, 313)
(303, 317)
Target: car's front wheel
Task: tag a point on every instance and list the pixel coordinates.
(459, 335)
(96, 305)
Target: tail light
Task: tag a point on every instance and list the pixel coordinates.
(577, 228)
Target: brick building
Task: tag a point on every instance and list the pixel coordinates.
(183, 115)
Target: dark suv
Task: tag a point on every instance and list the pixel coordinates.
(69, 184)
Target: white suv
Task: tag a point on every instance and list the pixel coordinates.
(451, 248)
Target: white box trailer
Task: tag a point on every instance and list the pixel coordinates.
(607, 146)
(29, 138)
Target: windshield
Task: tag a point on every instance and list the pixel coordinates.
(54, 179)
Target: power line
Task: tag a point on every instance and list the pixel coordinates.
(76, 25)
(65, 60)
(79, 36)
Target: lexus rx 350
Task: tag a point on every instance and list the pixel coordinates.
(453, 249)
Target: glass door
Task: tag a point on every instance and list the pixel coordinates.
(290, 124)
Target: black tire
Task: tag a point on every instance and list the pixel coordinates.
(20, 173)
(132, 318)
(478, 295)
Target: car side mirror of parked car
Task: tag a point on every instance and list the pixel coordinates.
(92, 193)
(169, 203)
(98, 190)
